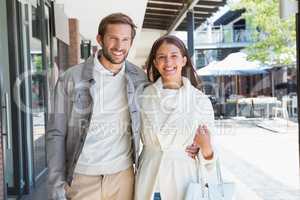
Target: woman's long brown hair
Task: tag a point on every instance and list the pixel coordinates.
(188, 70)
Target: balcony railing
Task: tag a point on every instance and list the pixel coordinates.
(224, 36)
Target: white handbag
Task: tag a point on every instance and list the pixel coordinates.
(209, 191)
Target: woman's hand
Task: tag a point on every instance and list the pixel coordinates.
(202, 140)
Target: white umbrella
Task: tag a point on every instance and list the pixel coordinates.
(233, 64)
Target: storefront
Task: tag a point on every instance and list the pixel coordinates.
(27, 79)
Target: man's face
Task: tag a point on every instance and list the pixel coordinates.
(116, 43)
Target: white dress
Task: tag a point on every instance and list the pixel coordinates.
(169, 123)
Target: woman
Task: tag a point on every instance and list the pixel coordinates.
(175, 113)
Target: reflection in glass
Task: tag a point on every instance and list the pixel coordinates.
(38, 108)
(37, 92)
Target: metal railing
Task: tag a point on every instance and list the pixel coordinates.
(225, 35)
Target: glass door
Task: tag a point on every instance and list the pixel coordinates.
(11, 174)
(25, 34)
(25, 91)
(38, 88)
(41, 57)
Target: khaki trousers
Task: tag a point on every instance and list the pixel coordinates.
(118, 186)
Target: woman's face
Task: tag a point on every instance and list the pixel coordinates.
(169, 62)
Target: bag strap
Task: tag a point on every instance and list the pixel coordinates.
(219, 176)
(200, 175)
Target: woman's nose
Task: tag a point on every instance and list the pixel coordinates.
(168, 60)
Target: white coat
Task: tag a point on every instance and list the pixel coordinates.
(163, 163)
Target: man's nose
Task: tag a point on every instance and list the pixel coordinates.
(118, 45)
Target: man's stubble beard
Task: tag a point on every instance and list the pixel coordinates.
(109, 57)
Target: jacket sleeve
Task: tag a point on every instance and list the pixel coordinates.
(55, 142)
(204, 106)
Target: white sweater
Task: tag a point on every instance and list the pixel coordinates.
(107, 147)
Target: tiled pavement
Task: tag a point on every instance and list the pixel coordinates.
(263, 163)
(263, 185)
(40, 193)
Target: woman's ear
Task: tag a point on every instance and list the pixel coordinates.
(154, 63)
(184, 60)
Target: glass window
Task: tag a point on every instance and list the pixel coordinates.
(38, 91)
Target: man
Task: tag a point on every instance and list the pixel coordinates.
(93, 129)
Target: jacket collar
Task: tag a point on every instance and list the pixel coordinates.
(88, 70)
(89, 65)
(154, 106)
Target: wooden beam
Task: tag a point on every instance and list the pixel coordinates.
(211, 3)
(159, 15)
(159, 23)
(197, 20)
(165, 22)
(168, 12)
(188, 6)
(168, 1)
(154, 27)
(207, 10)
(158, 18)
(166, 6)
(201, 15)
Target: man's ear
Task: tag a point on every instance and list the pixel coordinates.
(99, 39)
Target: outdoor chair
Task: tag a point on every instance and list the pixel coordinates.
(294, 106)
(282, 110)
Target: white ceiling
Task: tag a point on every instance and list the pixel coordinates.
(90, 12)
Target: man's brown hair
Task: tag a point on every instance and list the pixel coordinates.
(116, 18)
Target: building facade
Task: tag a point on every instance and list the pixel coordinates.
(34, 49)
